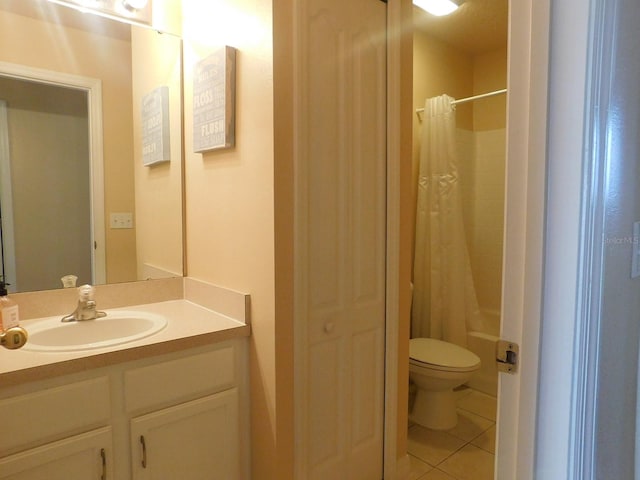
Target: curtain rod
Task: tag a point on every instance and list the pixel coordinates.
(470, 99)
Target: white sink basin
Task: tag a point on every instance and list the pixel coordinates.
(118, 327)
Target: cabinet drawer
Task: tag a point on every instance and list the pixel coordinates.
(41, 417)
(178, 380)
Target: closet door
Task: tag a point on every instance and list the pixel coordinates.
(340, 201)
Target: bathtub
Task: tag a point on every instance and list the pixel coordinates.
(484, 345)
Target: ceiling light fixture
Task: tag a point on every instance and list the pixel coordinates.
(438, 8)
(130, 11)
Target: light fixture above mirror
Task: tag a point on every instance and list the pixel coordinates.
(135, 11)
(439, 8)
(135, 4)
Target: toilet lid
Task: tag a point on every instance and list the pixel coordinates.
(442, 354)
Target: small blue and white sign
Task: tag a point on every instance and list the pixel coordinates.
(214, 101)
(155, 127)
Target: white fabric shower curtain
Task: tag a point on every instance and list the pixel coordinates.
(444, 305)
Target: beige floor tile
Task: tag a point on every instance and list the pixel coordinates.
(470, 463)
(436, 474)
(470, 425)
(432, 446)
(487, 441)
(418, 468)
(480, 404)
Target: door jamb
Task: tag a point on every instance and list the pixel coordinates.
(398, 120)
(524, 234)
(93, 88)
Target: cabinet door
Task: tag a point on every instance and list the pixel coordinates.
(86, 456)
(196, 440)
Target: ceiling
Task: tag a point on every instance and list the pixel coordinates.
(477, 26)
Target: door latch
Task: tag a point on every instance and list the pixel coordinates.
(507, 356)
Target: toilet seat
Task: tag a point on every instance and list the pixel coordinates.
(439, 355)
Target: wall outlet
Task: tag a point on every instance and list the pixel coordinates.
(121, 220)
(635, 261)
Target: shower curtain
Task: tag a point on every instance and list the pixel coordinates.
(444, 299)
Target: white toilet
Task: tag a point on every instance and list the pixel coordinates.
(436, 368)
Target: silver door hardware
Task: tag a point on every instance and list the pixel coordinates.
(507, 356)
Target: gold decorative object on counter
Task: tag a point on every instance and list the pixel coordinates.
(13, 338)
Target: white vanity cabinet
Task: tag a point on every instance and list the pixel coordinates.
(179, 415)
(197, 435)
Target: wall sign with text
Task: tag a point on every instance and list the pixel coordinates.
(155, 126)
(214, 84)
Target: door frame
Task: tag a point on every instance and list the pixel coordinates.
(528, 63)
(524, 237)
(93, 89)
(399, 131)
(7, 237)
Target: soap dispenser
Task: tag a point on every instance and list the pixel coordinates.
(12, 336)
(8, 310)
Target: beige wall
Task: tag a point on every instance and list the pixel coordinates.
(156, 61)
(167, 16)
(489, 75)
(230, 199)
(88, 54)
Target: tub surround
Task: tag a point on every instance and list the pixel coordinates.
(199, 314)
(484, 346)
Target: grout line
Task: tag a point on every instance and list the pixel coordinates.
(478, 414)
(451, 454)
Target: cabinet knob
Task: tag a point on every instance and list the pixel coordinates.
(328, 327)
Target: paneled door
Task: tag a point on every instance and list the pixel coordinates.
(340, 205)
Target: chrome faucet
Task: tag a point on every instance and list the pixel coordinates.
(86, 309)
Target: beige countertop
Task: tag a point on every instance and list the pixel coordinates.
(189, 325)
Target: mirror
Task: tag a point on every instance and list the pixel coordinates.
(79, 115)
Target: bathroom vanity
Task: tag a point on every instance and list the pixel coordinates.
(173, 405)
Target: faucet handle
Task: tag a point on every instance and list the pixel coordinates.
(13, 338)
(85, 293)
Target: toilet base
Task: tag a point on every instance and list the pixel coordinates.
(434, 410)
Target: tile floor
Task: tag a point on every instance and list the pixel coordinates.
(464, 452)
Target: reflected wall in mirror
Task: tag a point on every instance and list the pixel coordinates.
(73, 149)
